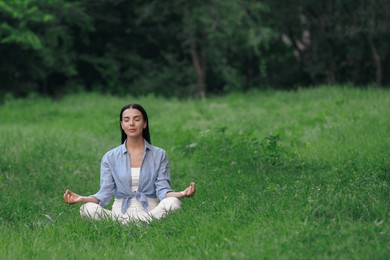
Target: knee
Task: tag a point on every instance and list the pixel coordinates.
(88, 210)
(171, 203)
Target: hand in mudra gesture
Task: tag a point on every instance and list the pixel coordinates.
(190, 191)
(71, 197)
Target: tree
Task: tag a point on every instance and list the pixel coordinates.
(213, 33)
(335, 41)
(38, 37)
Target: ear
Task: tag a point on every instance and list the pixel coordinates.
(145, 124)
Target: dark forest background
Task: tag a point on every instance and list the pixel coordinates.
(188, 48)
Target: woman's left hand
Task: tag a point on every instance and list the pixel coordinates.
(190, 191)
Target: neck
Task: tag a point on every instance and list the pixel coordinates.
(134, 143)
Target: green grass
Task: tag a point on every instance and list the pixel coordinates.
(286, 175)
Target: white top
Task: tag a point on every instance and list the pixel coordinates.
(135, 178)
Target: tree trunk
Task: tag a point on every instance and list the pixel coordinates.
(331, 67)
(375, 54)
(327, 30)
(199, 65)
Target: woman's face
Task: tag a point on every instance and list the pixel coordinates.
(133, 122)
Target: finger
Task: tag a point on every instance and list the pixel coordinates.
(192, 188)
(188, 192)
(67, 198)
(67, 193)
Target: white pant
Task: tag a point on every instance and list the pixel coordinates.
(96, 212)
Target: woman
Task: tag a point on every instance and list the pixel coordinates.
(136, 172)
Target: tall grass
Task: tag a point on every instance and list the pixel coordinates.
(301, 174)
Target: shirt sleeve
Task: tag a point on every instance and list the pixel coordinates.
(107, 183)
(163, 181)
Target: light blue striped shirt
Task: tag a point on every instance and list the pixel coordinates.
(115, 176)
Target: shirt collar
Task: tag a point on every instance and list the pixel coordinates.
(147, 146)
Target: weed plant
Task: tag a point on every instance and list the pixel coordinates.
(280, 175)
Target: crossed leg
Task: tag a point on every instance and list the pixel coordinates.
(96, 212)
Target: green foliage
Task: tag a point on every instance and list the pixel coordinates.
(22, 34)
(182, 48)
(336, 41)
(227, 34)
(38, 36)
(299, 174)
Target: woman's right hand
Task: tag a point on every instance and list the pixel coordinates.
(71, 197)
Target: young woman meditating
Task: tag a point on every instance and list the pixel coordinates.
(136, 173)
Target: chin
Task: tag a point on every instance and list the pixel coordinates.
(134, 135)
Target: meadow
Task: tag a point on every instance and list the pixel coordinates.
(280, 175)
